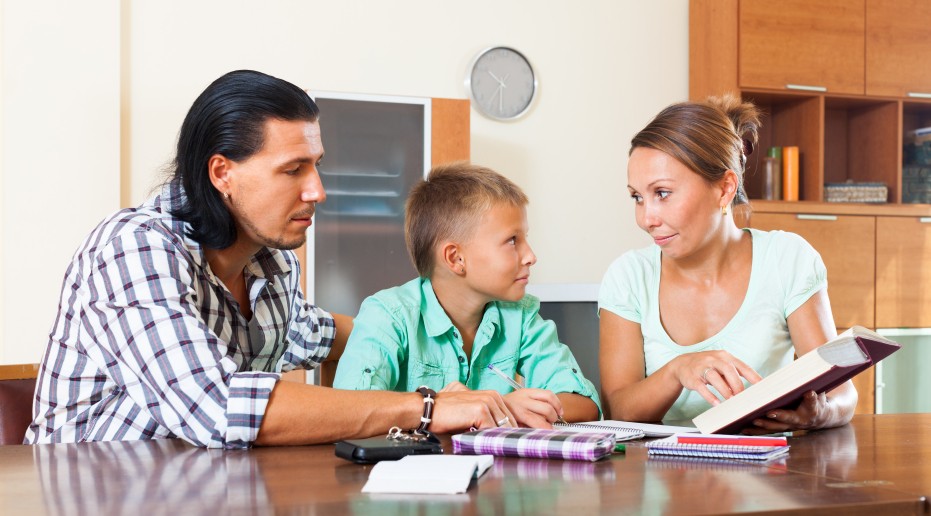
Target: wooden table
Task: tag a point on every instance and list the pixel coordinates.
(876, 465)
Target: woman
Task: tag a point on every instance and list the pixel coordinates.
(685, 322)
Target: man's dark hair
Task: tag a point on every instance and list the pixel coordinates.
(228, 118)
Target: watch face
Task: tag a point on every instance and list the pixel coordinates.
(502, 84)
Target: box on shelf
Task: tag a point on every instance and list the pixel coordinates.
(856, 192)
(916, 184)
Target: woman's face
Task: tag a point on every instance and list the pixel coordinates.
(676, 206)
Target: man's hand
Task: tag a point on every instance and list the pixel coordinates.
(457, 410)
(534, 408)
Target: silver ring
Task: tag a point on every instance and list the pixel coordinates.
(704, 378)
(503, 421)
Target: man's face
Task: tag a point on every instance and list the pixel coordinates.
(273, 193)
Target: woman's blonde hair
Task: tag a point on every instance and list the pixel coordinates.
(448, 205)
(709, 137)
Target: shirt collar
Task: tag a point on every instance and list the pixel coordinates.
(435, 320)
(266, 263)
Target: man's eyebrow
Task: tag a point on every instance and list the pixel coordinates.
(301, 160)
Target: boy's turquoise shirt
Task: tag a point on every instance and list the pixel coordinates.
(402, 339)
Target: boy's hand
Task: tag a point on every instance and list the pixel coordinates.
(534, 408)
(454, 387)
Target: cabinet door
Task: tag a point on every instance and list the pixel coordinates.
(847, 246)
(903, 272)
(898, 47)
(802, 43)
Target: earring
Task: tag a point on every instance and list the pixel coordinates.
(226, 195)
(724, 210)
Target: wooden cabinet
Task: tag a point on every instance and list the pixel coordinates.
(898, 47)
(802, 44)
(903, 272)
(865, 383)
(878, 259)
(842, 133)
(847, 246)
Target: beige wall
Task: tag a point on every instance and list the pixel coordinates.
(605, 67)
(59, 169)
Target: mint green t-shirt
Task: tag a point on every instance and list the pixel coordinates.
(402, 339)
(785, 272)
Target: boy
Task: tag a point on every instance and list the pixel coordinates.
(466, 231)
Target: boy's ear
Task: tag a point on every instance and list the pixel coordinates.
(451, 258)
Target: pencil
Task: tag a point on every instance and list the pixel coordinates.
(510, 381)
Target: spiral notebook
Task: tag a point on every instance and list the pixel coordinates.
(671, 446)
(621, 433)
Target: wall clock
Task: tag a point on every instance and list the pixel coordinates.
(501, 83)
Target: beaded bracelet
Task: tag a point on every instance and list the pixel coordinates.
(428, 400)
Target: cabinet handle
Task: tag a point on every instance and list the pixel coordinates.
(924, 220)
(806, 216)
(805, 87)
(919, 95)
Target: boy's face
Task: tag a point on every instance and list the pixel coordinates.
(497, 258)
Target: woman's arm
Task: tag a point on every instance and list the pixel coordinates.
(810, 326)
(631, 397)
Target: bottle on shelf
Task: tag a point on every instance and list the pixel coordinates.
(790, 173)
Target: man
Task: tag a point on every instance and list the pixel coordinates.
(176, 318)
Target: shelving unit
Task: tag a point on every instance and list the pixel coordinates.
(843, 133)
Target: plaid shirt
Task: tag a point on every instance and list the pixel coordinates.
(149, 344)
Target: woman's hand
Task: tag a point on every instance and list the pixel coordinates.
(815, 411)
(718, 369)
(534, 408)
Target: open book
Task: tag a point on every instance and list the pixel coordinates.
(820, 370)
(427, 474)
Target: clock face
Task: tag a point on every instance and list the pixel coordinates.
(502, 84)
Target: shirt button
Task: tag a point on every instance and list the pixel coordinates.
(456, 334)
(574, 370)
(369, 370)
(461, 360)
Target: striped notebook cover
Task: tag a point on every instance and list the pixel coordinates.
(670, 446)
(535, 443)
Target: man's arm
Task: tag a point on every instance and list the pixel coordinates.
(300, 414)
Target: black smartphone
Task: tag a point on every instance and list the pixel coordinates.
(374, 449)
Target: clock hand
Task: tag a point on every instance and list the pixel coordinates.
(498, 90)
(501, 98)
(495, 77)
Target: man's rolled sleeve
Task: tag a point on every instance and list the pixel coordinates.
(245, 408)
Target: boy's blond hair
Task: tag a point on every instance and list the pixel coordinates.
(448, 205)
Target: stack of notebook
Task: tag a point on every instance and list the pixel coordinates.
(720, 446)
